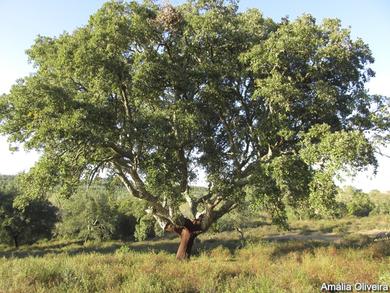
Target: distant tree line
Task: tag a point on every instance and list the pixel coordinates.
(103, 211)
(98, 212)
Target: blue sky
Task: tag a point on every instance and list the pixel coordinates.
(21, 21)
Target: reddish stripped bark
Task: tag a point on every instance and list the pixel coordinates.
(187, 234)
(186, 241)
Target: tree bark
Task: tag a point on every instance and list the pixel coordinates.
(16, 242)
(186, 242)
(188, 232)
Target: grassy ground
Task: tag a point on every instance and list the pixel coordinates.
(299, 260)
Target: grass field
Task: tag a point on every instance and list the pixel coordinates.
(299, 260)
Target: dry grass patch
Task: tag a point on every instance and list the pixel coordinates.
(218, 266)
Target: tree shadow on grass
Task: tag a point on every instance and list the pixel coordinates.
(166, 245)
(24, 251)
(283, 249)
(349, 241)
(61, 245)
(209, 244)
(284, 244)
(77, 247)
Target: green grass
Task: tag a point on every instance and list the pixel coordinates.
(299, 262)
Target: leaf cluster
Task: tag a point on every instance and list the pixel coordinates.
(154, 93)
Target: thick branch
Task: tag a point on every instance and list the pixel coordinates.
(138, 190)
(226, 207)
(183, 169)
(230, 135)
(191, 203)
(121, 151)
(126, 102)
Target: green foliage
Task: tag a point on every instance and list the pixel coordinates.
(382, 208)
(94, 214)
(271, 111)
(379, 197)
(7, 182)
(24, 219)
(245, 216)
(125, 227)
(145, 228)
(341, 209)
(357, 202)
(360, 206)
(265, 266)
(381, 201)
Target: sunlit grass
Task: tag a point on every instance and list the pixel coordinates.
(263, 267)
(217, 266)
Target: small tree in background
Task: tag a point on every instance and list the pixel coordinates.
(381, 201)
(101, 211)
(25, 220)
(87, 216)
(145, 228)
(361, 205)
(356, 202)
(126, 220)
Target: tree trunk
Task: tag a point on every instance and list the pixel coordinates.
(188, 232)
(186, 242)
(16, 242)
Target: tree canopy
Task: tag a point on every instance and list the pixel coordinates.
(24, 219)
(152, 94)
